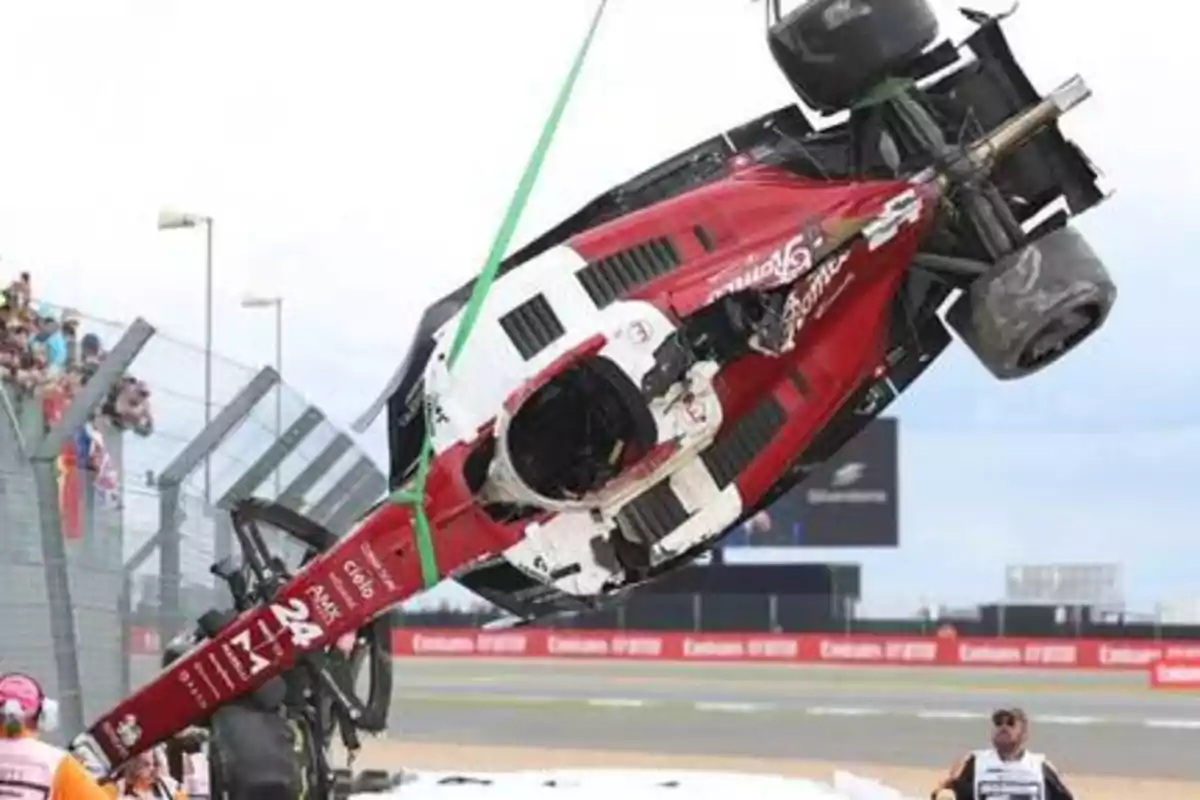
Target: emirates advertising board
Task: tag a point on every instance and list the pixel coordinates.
(849, 501)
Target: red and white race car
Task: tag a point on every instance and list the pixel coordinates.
(671, 358)
(688, 346)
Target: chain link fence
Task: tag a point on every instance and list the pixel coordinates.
(113, 498)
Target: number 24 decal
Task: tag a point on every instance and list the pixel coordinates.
(293, 616)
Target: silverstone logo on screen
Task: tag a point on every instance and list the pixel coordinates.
(844, 488)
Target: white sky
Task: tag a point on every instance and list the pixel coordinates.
(357, 157)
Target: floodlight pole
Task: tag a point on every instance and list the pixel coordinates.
(208, 348)
(277, 304)
(172, 220)
(279, 388)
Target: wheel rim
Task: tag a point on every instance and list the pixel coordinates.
(1059, 335)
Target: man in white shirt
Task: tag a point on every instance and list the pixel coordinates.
(1006, 770)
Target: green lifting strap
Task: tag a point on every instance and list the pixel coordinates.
(415, 493)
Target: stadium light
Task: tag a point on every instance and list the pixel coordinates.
(258, 302)
(170, 219)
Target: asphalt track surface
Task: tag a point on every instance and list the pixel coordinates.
(1090, 724)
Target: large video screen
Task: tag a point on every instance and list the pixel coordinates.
(849, 501)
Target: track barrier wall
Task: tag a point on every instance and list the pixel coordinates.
(750, 648)
(97, 554)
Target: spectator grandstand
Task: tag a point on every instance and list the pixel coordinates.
(45, 357)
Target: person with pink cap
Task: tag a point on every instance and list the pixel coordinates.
(31, 769)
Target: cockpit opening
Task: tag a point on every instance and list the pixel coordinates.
(580, 430)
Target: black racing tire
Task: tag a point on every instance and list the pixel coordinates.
(373, 781)
(216, 775)
(1035, 305)
(343, 784)
(835, 51)
(255, 755)
(312, 535)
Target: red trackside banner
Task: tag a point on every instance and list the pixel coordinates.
(1173, 673)
(795, 648)
(1094, 654)
(778, 648)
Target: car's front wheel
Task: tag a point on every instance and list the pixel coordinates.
(1035, 305)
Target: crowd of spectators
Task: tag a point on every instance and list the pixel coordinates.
(46, 356)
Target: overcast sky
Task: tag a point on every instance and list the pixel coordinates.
(357, 157)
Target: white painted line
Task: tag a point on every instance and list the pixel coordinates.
(1063, 719)
(615, 702)
(1180, 724)
(483, 699)
(823, 711)
(745, 708)
(951, 714)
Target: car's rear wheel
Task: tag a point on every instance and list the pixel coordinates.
(835, 51)
(257, 754)
(1035, 305)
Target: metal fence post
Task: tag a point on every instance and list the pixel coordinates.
(54, 549)
(324, 508)
(372, 487)
(257, 473)
(262, 468)
(293, 495)
(125, 609)
(10, 411)
(170, 482)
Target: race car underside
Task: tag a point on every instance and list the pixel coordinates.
(1045, 183)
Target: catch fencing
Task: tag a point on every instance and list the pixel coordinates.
(94, 552)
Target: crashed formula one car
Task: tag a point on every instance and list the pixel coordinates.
(688, 346)
(671, 358)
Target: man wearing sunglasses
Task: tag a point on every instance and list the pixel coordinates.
(1006, 770)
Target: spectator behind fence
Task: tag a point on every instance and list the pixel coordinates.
(44, 356)
(129, 405)
(70, 331)
(20, 292)
(48, 337)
